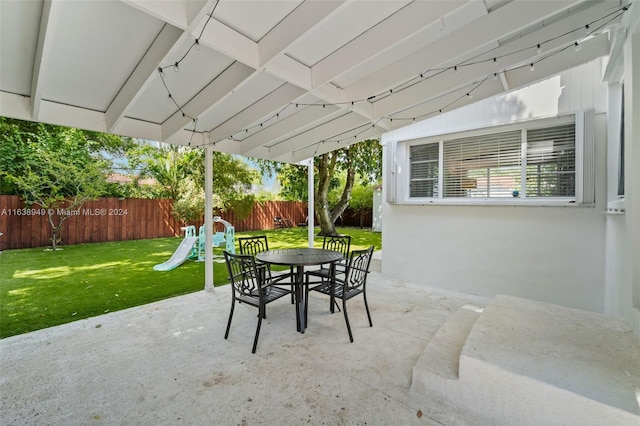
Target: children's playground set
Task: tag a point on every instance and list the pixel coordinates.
(193, 246)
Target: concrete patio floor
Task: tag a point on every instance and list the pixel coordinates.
(168, 363)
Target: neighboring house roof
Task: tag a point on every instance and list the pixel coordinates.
(124, 179)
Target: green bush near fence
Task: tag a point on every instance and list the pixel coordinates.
(40, 288)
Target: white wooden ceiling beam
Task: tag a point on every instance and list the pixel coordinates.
(306, 117)
(298, 155)
(48, 19)
(480, 35)
(467, 75)
(228, 41)
(288, 69)
(261, 108)
(220, 87)
(300, 21)
(182, 17)
(329, 129)
(589, 50)
(414, 26)
(142, 75)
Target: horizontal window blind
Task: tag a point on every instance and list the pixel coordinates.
(483, 166)
(424, 170)
(551, 162)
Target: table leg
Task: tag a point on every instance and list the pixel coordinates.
(300, 300)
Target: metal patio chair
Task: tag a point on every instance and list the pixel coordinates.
(257, 244)
(353, 283)
(339, 243)
(250, 286)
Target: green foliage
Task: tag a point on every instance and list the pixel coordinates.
(361, 197)
(51, 166)
(180, 172)
(293, 181)
(334, 174)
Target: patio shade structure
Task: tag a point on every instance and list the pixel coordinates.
(282, 80)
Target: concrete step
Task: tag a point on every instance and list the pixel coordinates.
(442, 354)
(529, 363)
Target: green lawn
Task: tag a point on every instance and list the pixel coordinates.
(40, 289)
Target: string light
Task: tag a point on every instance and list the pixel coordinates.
(437, 71)
(176, 67)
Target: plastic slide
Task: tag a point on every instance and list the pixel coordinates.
(181, 254)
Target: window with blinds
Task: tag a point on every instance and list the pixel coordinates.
(424, 170)
(527, 161)
(551, 162)
(483, 166)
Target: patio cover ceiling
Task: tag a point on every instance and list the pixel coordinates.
(280, 79)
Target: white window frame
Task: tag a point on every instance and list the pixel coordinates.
(399, 178)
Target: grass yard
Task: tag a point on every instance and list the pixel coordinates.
(40, 289)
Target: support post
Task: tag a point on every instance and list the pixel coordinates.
(310, 205)
(208, 215)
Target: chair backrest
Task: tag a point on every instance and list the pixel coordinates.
(245, 276)
(358, 268)
(341, 243)
(253, 245)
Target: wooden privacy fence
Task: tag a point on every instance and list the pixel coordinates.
(113, 219)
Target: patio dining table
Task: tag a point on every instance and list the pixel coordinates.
(300, 257)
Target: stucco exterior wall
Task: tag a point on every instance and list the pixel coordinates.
(551, 254)
(622, 272)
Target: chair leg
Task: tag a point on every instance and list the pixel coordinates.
(346, 319)
(255, 340)
(366, 305)
(226, 334)
(332, 298)
(292, 284)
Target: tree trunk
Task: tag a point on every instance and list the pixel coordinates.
(326, 168)
(55, 229)
(325, 174)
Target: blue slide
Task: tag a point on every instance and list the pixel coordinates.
(181, 254)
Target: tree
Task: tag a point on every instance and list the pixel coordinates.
(181, 172)
(52, 167)
(361, 200)
(362, 160)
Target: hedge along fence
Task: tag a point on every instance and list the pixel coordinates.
(114, 219)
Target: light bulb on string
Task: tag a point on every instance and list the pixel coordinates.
(539, 50)
(176, 67)
(532, 67)
(197, 44)
(470, 95)
(577, 46)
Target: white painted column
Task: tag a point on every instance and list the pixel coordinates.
(310, 206)
(208, 216)
(632, 156)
